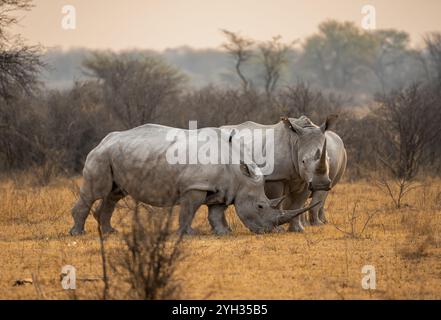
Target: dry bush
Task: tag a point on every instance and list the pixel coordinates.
(355, 225)
(144, 267)
(409, 126)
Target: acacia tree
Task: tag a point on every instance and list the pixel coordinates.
(19, 63)
(240, 48)
(134, 87)
(273, 55)
(19, 68)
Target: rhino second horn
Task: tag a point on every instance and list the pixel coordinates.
(321, 168)
(286, 216)
(274, 203)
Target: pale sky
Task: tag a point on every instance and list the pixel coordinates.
(161, 24)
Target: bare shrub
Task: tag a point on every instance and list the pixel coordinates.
(408, 124)
(212, 106)
(355, 226)
(144, 267)
(302, 99)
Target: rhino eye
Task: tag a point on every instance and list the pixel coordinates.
(260, 206)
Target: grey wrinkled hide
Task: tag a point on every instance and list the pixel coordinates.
(298, 165)
(134, 163)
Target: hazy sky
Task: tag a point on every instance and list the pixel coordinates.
(161, 24)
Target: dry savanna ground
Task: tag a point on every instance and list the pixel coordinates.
(325, 262)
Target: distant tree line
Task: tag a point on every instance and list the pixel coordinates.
(340, 57)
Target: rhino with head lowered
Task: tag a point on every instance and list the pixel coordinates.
(141, 163)
(301, 164)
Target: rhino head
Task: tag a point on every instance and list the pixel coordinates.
(310, 152)
(255, 210)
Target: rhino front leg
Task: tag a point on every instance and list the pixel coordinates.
(314, 213)
(296, 201)
(190, 203)
(322, 215)
(216, 217)
(304, 220)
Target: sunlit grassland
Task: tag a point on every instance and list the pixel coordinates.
(324, 262)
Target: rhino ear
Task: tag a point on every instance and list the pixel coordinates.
(251, 170)
(294, 127)
(246, 170)
(330, 122)
(285, 120)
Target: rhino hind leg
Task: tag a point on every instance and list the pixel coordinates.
(190, 203)
(97, 185)
(80, 211)
(103, 214)
(216, 217)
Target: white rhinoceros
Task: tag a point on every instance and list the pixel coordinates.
(307, 159)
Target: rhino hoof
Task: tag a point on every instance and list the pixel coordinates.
(75, 232)
(279, 229)
(317, 222)
(296, 228)
(189, 231)
(109, 230)
(222, 232)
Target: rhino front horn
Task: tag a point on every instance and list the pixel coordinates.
(285, 216)
(321, 168)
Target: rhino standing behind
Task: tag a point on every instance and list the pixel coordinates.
(307, 158)
(135, 162)
(337, 160)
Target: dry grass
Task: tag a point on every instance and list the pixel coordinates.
(323, 263)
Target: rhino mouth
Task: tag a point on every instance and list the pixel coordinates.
(319, 187)
(257, 228)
